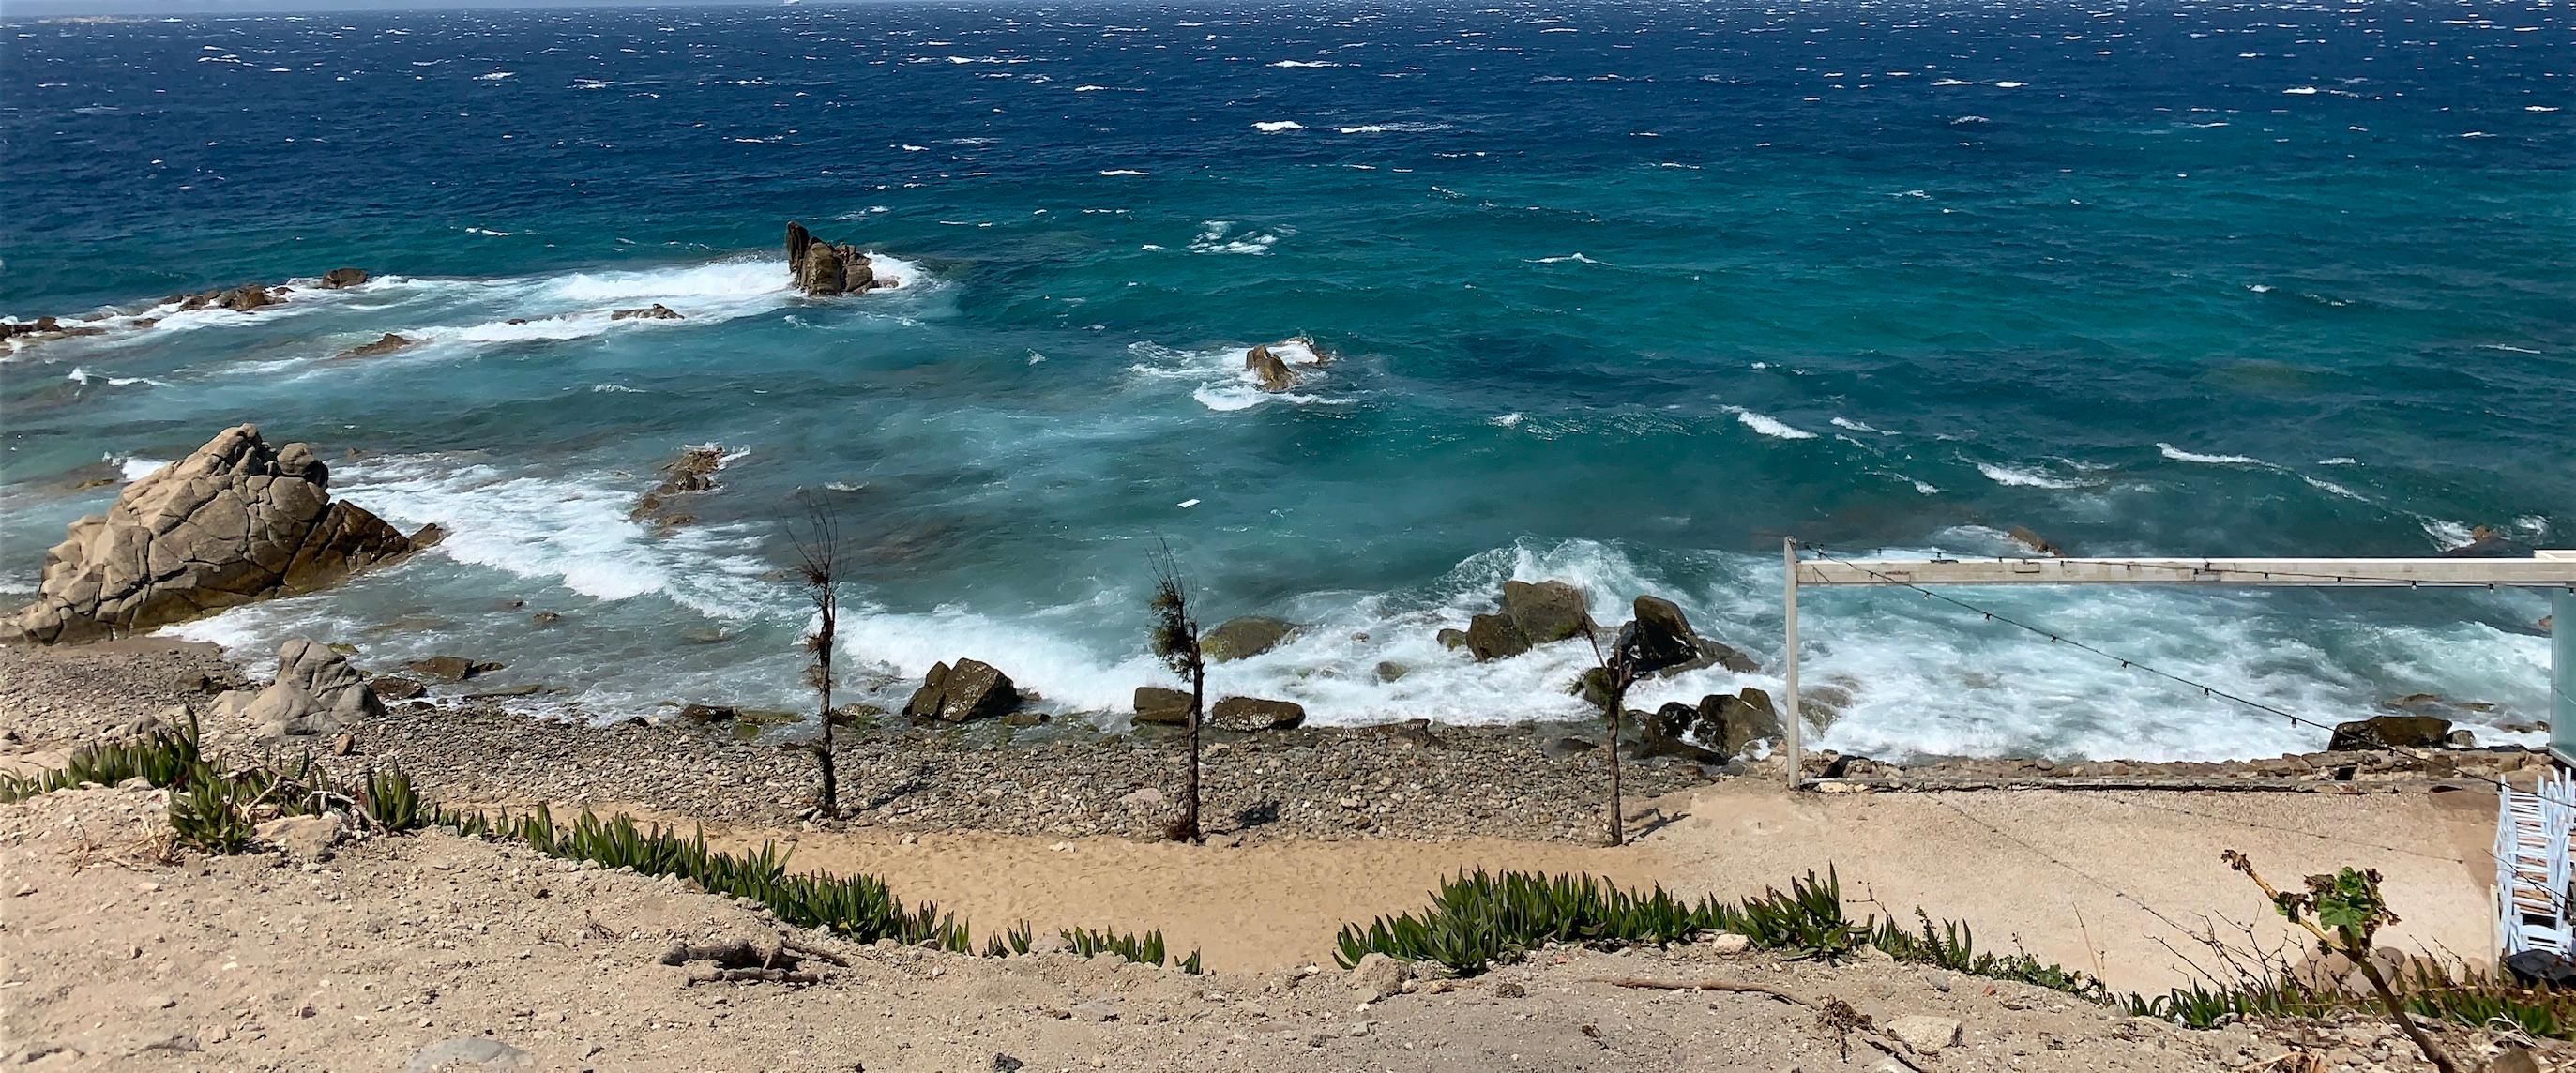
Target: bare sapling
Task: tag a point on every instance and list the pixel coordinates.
(1175, 641)
(818, 566)
(2344, 912)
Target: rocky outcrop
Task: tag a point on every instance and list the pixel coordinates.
(44, 328)
(969, 691)
(1254, 713)
(656, 311)
(247, 298)
(2390, 732)
(1531, 615)
(694, 471)
(1267, 368)
(386, 345)
(2036, 543)
(343, 277)
(232, 523)
(316, 693)
(1733, 724)
(823, 269)
(1663, 642)
(1158, 706)
(1245, 637)
(450, 668)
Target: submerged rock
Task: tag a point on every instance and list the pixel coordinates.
(44, 328)
(968, 691)
(694, 471)
(232, 523)
(2035, 542)
(656, 311)
(386, 345)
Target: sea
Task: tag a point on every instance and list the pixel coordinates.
(1624, 294)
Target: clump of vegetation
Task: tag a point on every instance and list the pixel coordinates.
(162, 755)
(1479, 920)
(1175, 641)
(1145, 949)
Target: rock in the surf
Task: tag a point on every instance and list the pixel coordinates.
(1245, 637)
(2484, 543)
(656, 311)
(1492, 637)
(2036, 543)
(316, 692)
(2390, 732)
(248, 297)
(1733, 724)
(1664, 643)
(44, 328)
(968, 691)
(1159, 706)
(1545, 612)
(386, 345)
(1266, 367)
(694, 471)
(343, 277)
(824, 269)
(1254, 713)
(232, 523)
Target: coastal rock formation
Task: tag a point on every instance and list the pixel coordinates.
(316, 692)
(43, 328)
(1245, 637)
(694, 471)
(247, 298)
(343, 277)
(1733, 724)
(1662, 636)
(656, 311)
(386, 345)
(968, 691)
(2390, 732)
(1531, 615)
(232, 523)
(823, 269)
(2485, 543)
(1254, 713)
(2035, 542)
(1158, 706)
(450, 668)
(1273, 365)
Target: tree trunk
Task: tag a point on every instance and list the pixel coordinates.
(1618, 810)
(2397, 1011)
(1190, 778)
(823, 666)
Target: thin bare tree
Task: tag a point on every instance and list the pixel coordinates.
(1175, 641)
(1619, 670)
(818, 565)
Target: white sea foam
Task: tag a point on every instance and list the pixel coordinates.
(496, 76)
(2333, 488)
(1509, 420)
(1952, 82)
(2010, 85)
(1123, 171)
(1304, 63)
(2447, 534)
(84, 377)
(1277, 126)
(2024, 476)
(2179, 455)
(2301, 91)
(1768, 425)
(1395, 128)
(2339, 460)
(1969, 120)
(1560, 259)
(135, 469)
(1223, 384)
(1220, 236)
(1856, 426)
(567, 530)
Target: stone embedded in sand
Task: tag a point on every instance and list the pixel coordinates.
(232, 523)
(316, 693)
(1245, 637)
(386, 345)
(304, 838)
(1379, 976)
(656, 311)
(968, 691)
(1254, 713)
(1930, 1035)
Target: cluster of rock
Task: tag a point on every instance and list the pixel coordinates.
(43, 328)
(693, 472)
(966, 691)
(252, 297)
(1271, 368)
(387, 345)
(1159, 706)
(232, 523)
(1531, 615)
(824, 269)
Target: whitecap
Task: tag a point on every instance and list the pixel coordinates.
(2024, 476)
(1952, 82)
(1219, 236)
(2010, 85)
(1969, 121)
(1277, 126)
(2301, 91)
(496, 76)
(2179, 455)
(1560, 259)
(2333, 488)
(1768, 425)
(1304, 63)
(1123, 171)
(1509, 420)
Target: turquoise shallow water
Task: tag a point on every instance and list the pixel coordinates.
(1621, 294)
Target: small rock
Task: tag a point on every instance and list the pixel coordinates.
(469, 1053)
(1925, 1033)
(1379, 976)
(1003, 1063)
(1729, 944)
(1939, 980)
(304, 838)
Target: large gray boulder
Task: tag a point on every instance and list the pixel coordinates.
(316, 693)
(1545, 612)
(970, 690)
(1245, 637)
(232, 523)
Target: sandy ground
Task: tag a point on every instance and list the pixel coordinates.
(2111, 882)
(397, 947)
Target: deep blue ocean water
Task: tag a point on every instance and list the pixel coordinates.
(1621, 293)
